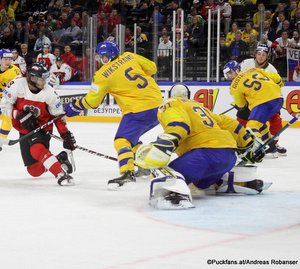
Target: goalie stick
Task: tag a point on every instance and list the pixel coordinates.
(85, 149)
(229, 109)
(13, 142)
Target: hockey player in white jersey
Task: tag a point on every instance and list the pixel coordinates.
(261, 61)
(60, 72)
(31, 102)
(19, 61)
(45, 57)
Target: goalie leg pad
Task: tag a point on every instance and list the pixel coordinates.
(168, 190)
(242, 180)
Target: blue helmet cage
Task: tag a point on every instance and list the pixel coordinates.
(230, 66)
(108, 49)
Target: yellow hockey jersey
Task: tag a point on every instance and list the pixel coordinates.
(7, 76)
(198, 127)
(255, 86)
(129, 80)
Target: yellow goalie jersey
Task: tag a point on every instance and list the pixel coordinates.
(8, 75)
(254, 87)
(129, 80)
(198, 127)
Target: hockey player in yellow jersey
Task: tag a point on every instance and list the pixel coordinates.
(8, 72)
(128, 78)
(205, 144)
(260, 91)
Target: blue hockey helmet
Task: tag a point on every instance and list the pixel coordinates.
(5, 53)
(179, 89)
(108, 49)
(231, 66)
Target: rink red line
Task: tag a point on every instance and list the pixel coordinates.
(193, 249)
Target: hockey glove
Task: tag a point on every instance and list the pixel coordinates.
(54, 80)
(250, 153)
(27, 120)
(72, 109)
(156, 154)
(69, 140)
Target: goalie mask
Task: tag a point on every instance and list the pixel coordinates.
(37, 75)
(106, 52)
(179, 90)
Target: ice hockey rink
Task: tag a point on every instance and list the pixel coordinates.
(45, 226)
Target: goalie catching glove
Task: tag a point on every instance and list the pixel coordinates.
(250, 153)
(156, 154)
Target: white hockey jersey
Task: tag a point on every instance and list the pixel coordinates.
(46, 59)
(45, 104)
(20, 62)
(63, 73)
(250, 63)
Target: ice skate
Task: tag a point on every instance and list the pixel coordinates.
(126, 179)
(171, 201)
(143, 173)
(272, 151)
(62, 157)
(281, 150)
(64, 179)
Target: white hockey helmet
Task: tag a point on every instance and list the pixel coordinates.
(180, 90)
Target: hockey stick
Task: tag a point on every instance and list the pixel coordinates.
(13, 142)
(263, 146)
(85, 149)
(224, 112)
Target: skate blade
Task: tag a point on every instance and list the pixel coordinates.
(116, 186)
(66, 183)
(162, 204)
(271, 155)
(266, 186)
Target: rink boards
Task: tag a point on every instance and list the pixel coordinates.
(215, 96)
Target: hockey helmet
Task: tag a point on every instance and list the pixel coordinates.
(5, 53)
(108, 49)
(37, 75)
(262, 47)
(229, 67)
(179, 89)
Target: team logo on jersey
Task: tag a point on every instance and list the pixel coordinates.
(207, 97)
(7, 93)
(33, 109)
(292, 102)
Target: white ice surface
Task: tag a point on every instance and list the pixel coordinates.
(45, 226)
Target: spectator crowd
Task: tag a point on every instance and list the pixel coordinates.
(48, 30)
